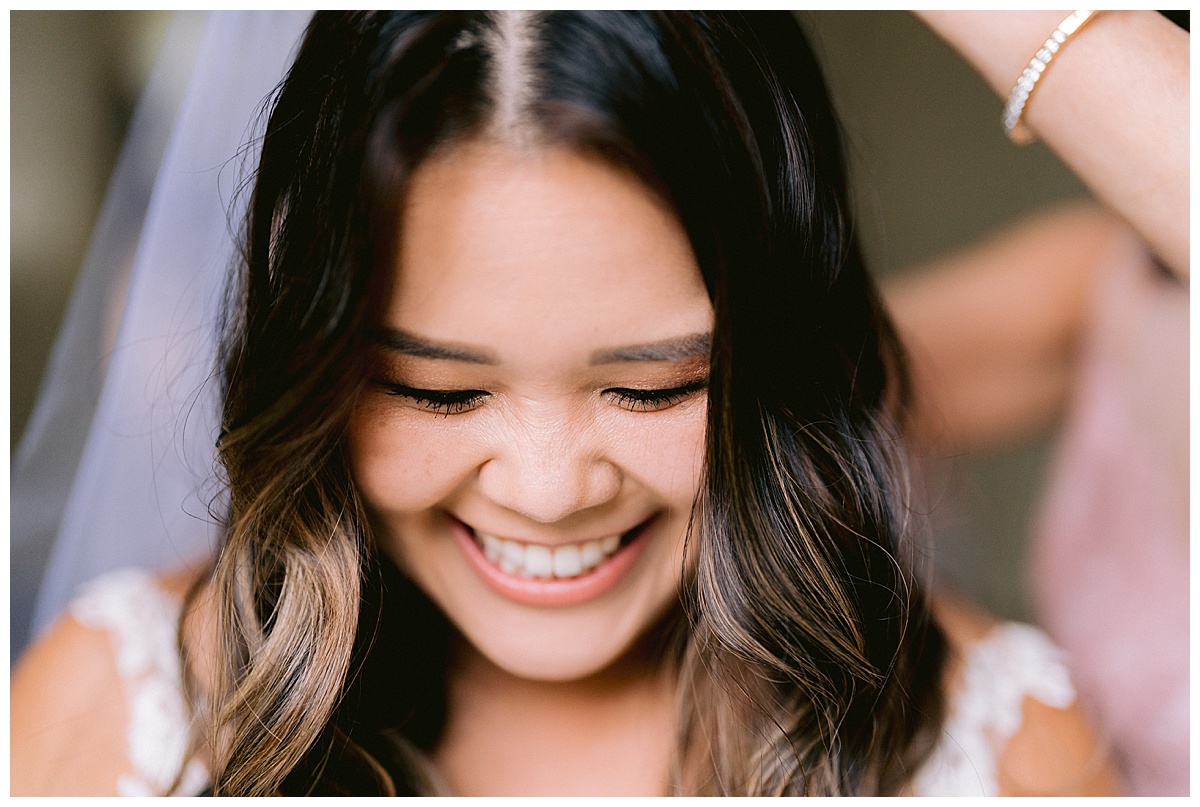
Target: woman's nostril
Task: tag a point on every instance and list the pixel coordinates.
(549, 489)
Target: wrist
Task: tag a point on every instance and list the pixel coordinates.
(998, 44)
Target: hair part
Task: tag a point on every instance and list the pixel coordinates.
(512, 82)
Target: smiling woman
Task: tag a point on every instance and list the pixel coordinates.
(544, 401)
(561, 422)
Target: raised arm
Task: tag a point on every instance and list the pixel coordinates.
(993, 330)
(1113, 105)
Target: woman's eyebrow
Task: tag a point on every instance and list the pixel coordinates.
(684, 348)
(693, 346)
(412, 345)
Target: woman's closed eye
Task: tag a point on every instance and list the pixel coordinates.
(453, 402)
(654, 400)
(439, 402)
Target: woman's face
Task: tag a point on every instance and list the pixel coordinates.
(533, 435)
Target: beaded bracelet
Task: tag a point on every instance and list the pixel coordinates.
(1018, 132)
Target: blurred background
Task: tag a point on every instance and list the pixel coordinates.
(932, 171)
(75, 78)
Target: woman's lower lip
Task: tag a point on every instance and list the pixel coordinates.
(551, 592)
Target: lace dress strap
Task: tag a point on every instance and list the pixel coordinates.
(1011, 663)
(141, 619)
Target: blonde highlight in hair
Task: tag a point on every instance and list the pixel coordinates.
(287, 585)
(769, 704)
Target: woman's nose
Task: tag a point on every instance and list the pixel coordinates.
(548, 471)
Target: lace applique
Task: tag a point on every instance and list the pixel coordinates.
(999, 671)
(141, 620)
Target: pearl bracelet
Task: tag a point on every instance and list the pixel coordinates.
(1018, 132)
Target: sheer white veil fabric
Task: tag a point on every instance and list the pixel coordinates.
(117, 466)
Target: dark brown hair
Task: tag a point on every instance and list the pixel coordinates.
(807, 658)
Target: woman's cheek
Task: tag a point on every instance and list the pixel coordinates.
(405, 460)
(667, 453)
(408, 461)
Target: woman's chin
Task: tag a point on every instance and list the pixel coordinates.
(535, 664)
(549, 649)
(549, 654)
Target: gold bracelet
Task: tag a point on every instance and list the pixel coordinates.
(1018, 132)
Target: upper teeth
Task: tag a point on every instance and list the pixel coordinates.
(536, 560)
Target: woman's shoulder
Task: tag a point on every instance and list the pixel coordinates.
(96, 702)
(1013, 723)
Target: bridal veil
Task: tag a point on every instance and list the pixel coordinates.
(117, 465)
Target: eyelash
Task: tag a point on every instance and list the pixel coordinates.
(453, 402)
(654, 400)
(439, 402)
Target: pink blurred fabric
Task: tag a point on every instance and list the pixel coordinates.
(1109, 568)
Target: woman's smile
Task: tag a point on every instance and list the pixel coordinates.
(563, 574)
(531, 442)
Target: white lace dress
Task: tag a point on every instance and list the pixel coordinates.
(1011, 663)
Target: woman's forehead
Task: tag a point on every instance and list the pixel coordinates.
(549, 243)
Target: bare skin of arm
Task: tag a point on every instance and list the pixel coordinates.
(993, 330)
(68, 715)
(1113, 105)
(1055, 751)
